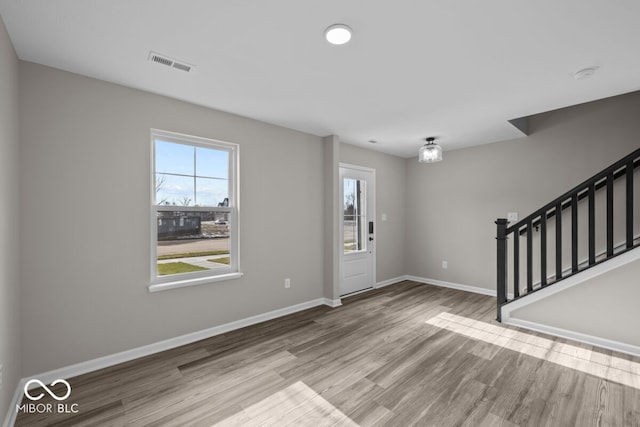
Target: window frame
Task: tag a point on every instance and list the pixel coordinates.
(160, 283)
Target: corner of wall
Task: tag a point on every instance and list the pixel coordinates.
(9, 221)
(331, 218)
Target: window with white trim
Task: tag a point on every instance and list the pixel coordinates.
(194, 210)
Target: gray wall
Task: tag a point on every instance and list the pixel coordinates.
(607, 307)
(9, 222)
(332, 243)
(86, 158)
(452, 205)
(390, 200)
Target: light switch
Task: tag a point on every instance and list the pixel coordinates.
(384, 216)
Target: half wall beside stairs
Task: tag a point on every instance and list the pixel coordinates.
(599, 306)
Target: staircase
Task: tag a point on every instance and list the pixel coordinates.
(585, 227)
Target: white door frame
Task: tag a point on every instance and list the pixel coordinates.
(371, 216)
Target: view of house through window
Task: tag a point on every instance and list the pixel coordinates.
(193, 205)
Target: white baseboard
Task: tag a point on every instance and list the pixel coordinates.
(576, 336)
(551, 330)
(147, 350)
(458, 286)
(388, 282)
(128, 355)
(333, 302)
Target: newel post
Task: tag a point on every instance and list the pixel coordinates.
(501, 291)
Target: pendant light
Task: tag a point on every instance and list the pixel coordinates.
(430, 152)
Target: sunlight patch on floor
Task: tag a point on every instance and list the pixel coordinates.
(296, 405)
(605, 366)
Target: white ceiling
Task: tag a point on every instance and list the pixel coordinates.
(454, 69)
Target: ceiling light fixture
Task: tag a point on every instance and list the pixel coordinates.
(338, 34)
(430, 152)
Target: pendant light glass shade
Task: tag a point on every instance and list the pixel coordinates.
(430, 152)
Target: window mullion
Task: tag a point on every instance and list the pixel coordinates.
(195, 172)
(169, 208)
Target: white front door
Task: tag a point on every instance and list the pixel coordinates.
(357, 231)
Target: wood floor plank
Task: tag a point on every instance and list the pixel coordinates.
(371, 414)
(353, 398)
(630, 408)
(561, 407)
(406, 354)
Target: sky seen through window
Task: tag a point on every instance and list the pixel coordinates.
(189, 175)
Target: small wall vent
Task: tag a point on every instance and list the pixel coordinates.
(169, 62)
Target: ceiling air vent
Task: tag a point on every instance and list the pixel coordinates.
(169, 62)
(180, 66)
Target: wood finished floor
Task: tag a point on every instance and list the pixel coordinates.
(407, 354)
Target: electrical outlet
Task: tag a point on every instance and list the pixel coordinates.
(287, 283)
(445, 265)
(512, 216)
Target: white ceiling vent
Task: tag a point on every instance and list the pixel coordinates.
(169, 62)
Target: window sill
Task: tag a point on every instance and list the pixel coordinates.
(157, 287)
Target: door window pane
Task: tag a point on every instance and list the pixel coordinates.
(354, 215)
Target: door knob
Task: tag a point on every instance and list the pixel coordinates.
(371, 239)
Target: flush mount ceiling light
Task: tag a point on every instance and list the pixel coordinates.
(430, 152)
(338, 34)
